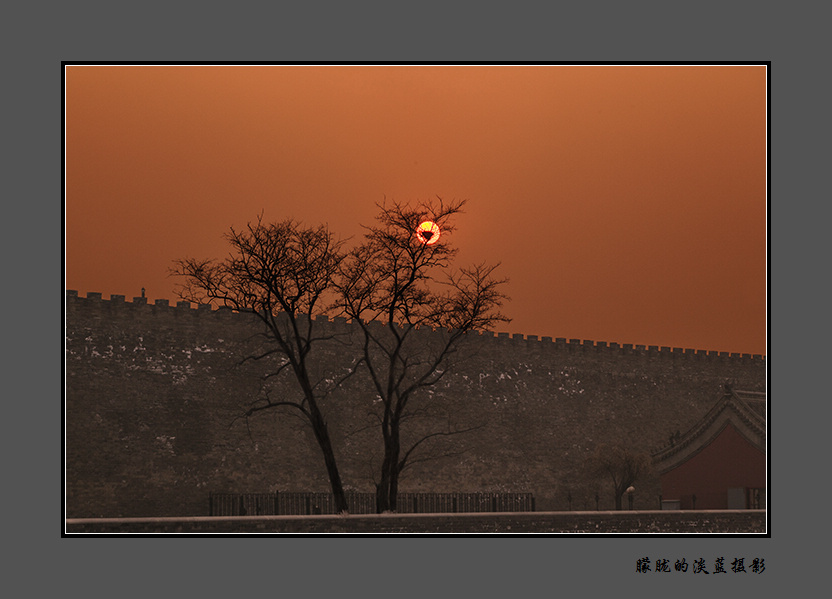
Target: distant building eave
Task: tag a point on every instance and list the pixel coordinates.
(744, 410)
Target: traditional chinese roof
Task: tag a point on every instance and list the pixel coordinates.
(744, 410)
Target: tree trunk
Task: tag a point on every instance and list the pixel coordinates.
(387, 489)
(383, 494)
(322, 435)
(394, 489)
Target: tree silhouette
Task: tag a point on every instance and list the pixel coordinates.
(394, 284)
(623, 467)
(281, 273)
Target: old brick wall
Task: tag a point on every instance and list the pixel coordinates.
(154, 392)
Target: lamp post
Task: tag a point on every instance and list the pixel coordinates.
(630, 491)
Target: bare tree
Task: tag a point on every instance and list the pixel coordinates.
(622, 466)
(394, 285)
(281, 273)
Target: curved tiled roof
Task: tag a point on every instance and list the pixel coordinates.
(745, 410)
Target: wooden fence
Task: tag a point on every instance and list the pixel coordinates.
(296, 504)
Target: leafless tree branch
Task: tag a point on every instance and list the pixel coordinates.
(282, 273)
(402, 283)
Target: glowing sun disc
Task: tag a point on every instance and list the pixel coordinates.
(428, 232)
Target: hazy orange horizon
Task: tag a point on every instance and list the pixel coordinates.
(625, 203)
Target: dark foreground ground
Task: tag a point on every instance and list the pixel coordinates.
(625, 522)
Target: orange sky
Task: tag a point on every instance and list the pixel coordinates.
(626, 203)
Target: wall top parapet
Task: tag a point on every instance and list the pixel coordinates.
(571, 345)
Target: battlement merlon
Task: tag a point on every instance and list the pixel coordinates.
(559, 343)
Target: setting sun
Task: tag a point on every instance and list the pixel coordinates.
(428, 232)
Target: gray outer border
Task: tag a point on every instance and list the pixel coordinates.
(416, 566)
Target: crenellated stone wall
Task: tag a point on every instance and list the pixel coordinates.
(154, 394)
